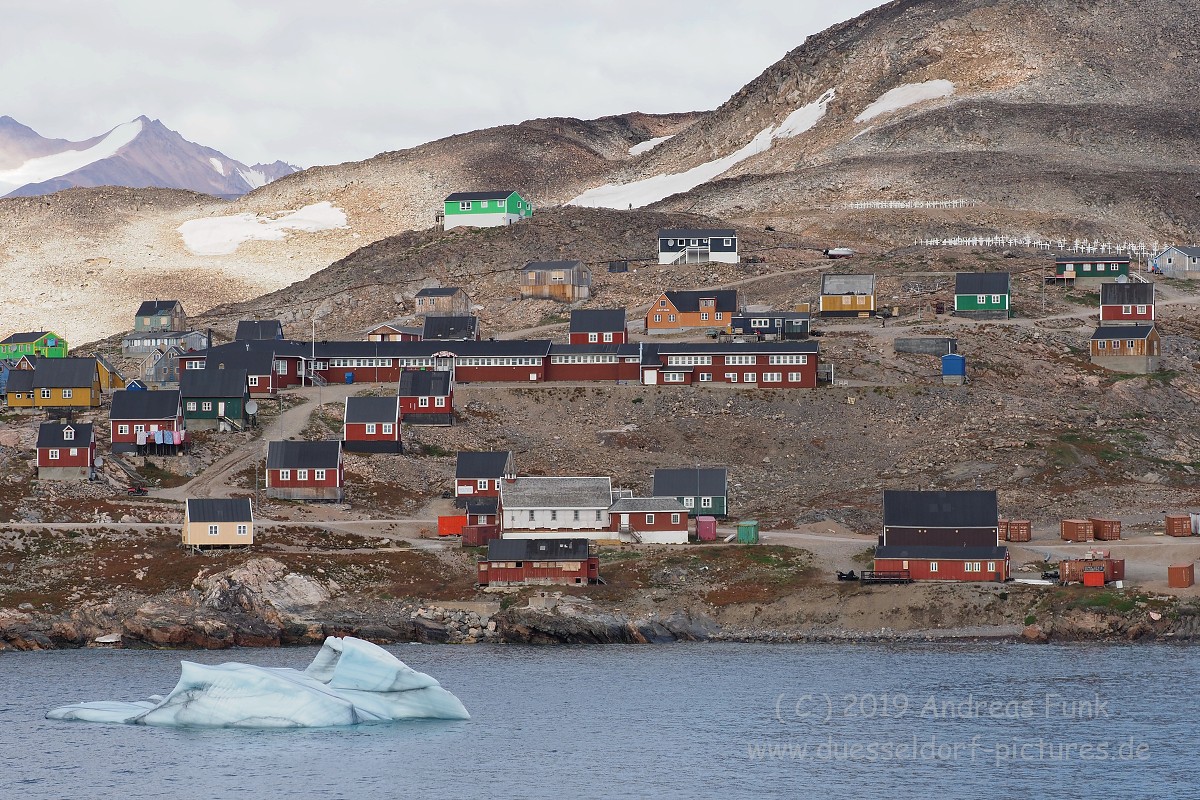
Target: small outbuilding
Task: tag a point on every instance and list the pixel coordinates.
(218, 522)
(299, 470)
(66, 452)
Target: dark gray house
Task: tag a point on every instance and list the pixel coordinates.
(940, 518)
(160, 315)
(450, 329)
(697, 245)
(259, 329)
(704, 491)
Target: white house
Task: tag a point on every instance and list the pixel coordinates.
(545, 507)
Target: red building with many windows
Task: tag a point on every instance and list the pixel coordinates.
(784, 365)
(933, 563)
(135, 416)
(609, 363)
(539, 562)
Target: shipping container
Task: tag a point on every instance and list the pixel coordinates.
(1105, 530)
(1181, 576)
(1077, 530)
(1179, 524)
(479, 535)
(1020, 530)
(1093, 576)
(1195, 524)
(706, 529)
(747, 532)
(1072, 570)
(1002, 529)
(451, 526)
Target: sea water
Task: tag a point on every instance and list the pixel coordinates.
(976, 720)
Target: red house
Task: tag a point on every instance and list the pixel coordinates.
(478, 473)
(1126, 303)
(66, 452)
(769, 365)
(305, 470)
(598, 326)
(539, 562)
(650, 520)
(426, 397)
(136, 416)
(594, 362)
(483, 511)
(935, 563)
(372, 425)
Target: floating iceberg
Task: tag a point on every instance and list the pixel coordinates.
(350, 681)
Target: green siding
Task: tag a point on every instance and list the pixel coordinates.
(514, 204)
(233, 407)
(970, 302)
(40, 348)
(717, 509)
(1107, 272)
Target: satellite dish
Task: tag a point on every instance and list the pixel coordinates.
(99, 461)
(252, 407)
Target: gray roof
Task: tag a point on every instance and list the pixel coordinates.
(974, 508)
(690, 300)
(219, 509)
(439, 291)
(697, 233)
(455, 196)
(1091, 258)
(212, 383)
(450, 328)
(1190, 252)
(1127, 294)
(24, 338)
(537, 550)
(847, 284)
(710, 348)
(482, 505)
(372, 409)
(556, 492)
(1109, 332)
(289, 454)
(691, 482)
(424, 383)
(597, 320)
(237, 356)
(70, 373)
(259, 329)
(20, 380)
(473, 465)
(50, 434)
(549, 265)
(629, 349)
(651, 504)
(149, 308)
(981, 283)
(144, 405)
(948, 553)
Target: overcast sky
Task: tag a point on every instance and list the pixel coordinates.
(339, 80)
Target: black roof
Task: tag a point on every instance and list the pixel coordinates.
(358, 349)
(690, 482)
(424, 383)
(1090, 258)
(259, 329)
(54, 373)
(236, 355)
(149, 308)
(690, 300)
(948, 553)
(681, 348)
(975, 508)
(610, 348)
(219, 509)
(981, 283)
(144, 405)
(450, 328)
(372, 409)
(212, 383)
(597, 320)
(1109, 332)
(697, 233)
(549, 265)
(1127, 294)
(483, 505)
(20, 380)
(439, 291)
(24, 338)
(475, 464)
(289, 454)
(537, 550)
(50, 434)
(479, 195)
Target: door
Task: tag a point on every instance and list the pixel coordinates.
(221, 409)
(624, 520)
(651, 377)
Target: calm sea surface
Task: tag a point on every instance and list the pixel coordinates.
(679, 721)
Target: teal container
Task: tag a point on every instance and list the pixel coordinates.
(747, 531)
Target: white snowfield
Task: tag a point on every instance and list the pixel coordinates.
(254, 178)
(651, 190)
(907, 95)
(214, 236)
(43, 168)
(217, 165)
(649, 144)
(350, 682)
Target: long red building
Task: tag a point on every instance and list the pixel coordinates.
(539, 562)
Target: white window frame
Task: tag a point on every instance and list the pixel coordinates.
(705, 377)
(285, 474)
(1126, 309)
(440, 402)
(370, 428)
(206, 405)
(720, 315)
(593, 337)
(464, 205)
(318, 474)
(253, 381)
(706, 502)
(123, 430)
(1130, 344)
(68, 394)
(689, 502)
(1141, 309)
(995, 298)
(68, 434)
(191, 405)
(933, 566)
(214, 530)
(981, 298)
(795, 377)
(991, 566)
(52, 454)
(388, 428)
(1100, 344)
(749, 377)
(675, 517)
(301, 474)
(649, 519)
(45, 394)
(422, 402)
(243, 530)
(608, 337)
(704, 316)
(731, 377)
(772, 377)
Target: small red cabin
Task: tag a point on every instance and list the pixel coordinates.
(1131, 303)
(65, 452)
(372, 425)
(426, 397)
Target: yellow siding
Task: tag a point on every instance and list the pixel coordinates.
(195, 534)
(847, 302)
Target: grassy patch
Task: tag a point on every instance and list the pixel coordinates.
(157, 476)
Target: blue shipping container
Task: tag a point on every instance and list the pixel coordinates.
(954, 364)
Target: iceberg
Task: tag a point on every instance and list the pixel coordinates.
(350, 682)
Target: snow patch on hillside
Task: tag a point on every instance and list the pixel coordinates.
(217, 165)
(906, 95)
(43, 168)
(651, 190)
(214, 236)
(649, 144)
(254, 178)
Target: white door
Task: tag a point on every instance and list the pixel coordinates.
(651, 377)
(624, 520)
(221, 409)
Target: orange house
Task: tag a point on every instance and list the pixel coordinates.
(676, 311)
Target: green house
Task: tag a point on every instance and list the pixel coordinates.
(484, 209)
(214, 399)
(982, 293)
(703, 491)
(46, 344)
(1099, 267)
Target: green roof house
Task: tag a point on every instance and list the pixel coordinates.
(484, 209)
(46, 344)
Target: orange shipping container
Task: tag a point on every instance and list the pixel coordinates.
(1093, 577)
(451, 526)
(1181, 576)
(1076, 530)
(1179, 525)
(1106, 530)
(1020, 530)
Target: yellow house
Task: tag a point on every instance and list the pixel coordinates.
(847, 295)
(20, 388)
(66, 383)
(218, 522)
(110, 379)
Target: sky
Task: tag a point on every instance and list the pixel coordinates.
(322, 82)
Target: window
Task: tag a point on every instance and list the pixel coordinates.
(689, 502)
(982, 298)
(243, 530)
(704, 316)
(670, 317)
(694, 242)
(68, 434)
(995, 298)
(254, 380)
(608, 337)
(706, 502)
(123, 429)
(481, 484)
(593, 337)
(45, 394)
(1087, 267)
(1141, 309)
(553, 515)
(531, 515)
(194, 365)
(731, 377)
(991, 566)
(597, 515)
(53, 455)
(729, 242)
(370, 426)
(318, 474)
(788, 359)
(465, 205)
(423, 402)
(191, 406)
(575, 516)
(67, 394)
(862, 299)
(1100, 345)
(772, 377)
(662, 303)
(139, 428)
(1126, 309)
(658, 317)
(387, 428)
(649, 519)
(933, 566)
(1129, 344)
(749, 377)
(206, 405)
(705, 377)
(674, 519)
(74, 452)
(795, 377)
(674, 377)
(301, 474)
(440, 402)
(740, 360)
(720, 315)
(285, 474)
(213, 530)
(688, 361)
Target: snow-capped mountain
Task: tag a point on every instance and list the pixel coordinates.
(141, 153)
